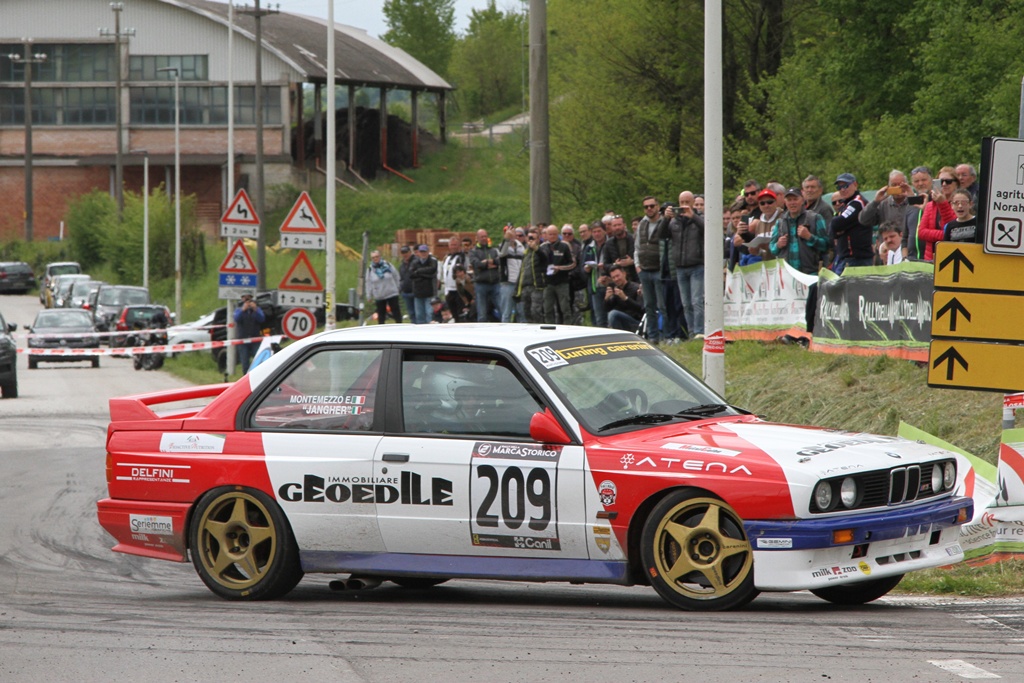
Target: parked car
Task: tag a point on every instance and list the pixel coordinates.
(106, 303)
(8, 360)
(80, 291)
(52, 293)
(418, 454)
(16, 277)
(52, 269)
(195, 332)
(67, 329)
(142, 317)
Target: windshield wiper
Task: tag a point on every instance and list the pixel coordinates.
(642, 419)
(707, 410)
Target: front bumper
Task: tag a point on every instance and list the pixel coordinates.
(797, 555)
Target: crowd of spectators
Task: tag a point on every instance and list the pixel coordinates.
(650, 278)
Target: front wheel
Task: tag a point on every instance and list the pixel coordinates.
(242, 546)
(696, 553)
(858, 593)
(9, 389)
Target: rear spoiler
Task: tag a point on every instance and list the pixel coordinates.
(138, 407)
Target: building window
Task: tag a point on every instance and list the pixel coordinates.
(75, 63)
(58, 106)
(202, 105)
(146, 67)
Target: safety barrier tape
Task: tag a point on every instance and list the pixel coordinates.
(115, 333)
(134, 350)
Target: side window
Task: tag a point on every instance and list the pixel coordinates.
(333, 390)
(473, 395)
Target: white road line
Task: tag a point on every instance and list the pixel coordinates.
(962, 668)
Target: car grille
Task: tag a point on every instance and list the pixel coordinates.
(883, 488)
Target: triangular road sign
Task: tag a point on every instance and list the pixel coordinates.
(301, 277)
(240, 212)
(238, 260)
(303, 217)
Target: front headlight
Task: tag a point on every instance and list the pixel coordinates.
(848, 492)
(823, 496)
(948, 475)
(937, 476)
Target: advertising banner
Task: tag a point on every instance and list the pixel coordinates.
(765, 301)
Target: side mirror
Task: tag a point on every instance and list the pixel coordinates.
(544, 428)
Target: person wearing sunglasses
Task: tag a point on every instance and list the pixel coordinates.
(964, 228)
(647, 257)
(852, 240)
(938, 211)
(761, 227)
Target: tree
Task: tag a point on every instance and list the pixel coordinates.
(487, 63)
(423, 28)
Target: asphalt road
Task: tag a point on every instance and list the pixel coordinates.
(71, 610)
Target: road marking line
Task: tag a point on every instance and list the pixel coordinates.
(962, 668)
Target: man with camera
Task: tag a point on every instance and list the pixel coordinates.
(623, 301)
(249, 319)
(686, 230)
(510, 260)
(891, 203)
(530, 289)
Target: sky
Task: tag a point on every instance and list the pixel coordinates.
(369, 14)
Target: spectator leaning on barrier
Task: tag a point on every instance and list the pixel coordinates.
(800, 236)
(532, 280)
(647, 257)
(423, 272)
(382, 287)
(964, 228)
(686, 230)
(484, 259)
(890, 243)
(623, 301)
(249, 319)
(853, 241)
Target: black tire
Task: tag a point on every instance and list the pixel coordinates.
(858, 593)
(95, 361)
(263, 563)
(33, 364)
(416, 582)
(9, 389)
(696, 554)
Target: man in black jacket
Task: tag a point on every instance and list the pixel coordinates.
(486, 275)
(852, 240)
(423, 273)
(623, 301)
(687, 253)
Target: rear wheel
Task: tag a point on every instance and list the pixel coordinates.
(416, 582)
(96, 361)
(33, 364)
(9, 389)
(696, 553)
(858, 593)
(242, 546)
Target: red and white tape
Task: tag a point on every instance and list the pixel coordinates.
(134, 350)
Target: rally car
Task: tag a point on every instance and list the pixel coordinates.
(418, 454)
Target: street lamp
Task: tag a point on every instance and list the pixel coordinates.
(145, 215)
(28, 60)
(177, 191)
(117, 33)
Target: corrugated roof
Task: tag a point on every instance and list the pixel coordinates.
(301, 42)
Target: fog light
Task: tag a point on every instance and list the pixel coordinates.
(823, 496)
(948, 475)
(848, 492)
(961, 516)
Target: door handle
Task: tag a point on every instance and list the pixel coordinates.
(395, 457)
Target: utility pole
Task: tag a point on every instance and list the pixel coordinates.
(117, 8)
(261, 248)
(177, 188)
(540, 162)
(332, 164)
(28, 60)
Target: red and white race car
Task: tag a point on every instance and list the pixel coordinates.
(418, 454)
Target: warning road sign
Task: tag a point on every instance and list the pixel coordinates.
(301, 277)
(240, 220)
(237, 273)
(303, 229)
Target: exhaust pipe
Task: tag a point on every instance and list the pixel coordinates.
(355, 583)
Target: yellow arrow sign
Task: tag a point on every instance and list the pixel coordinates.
(974, 315)
(976, 365)
(967, 266)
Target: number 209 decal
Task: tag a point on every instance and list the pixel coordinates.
(514, 506)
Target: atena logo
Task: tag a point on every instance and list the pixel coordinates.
(410, 491)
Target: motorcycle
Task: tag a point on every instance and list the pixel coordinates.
(147, 361)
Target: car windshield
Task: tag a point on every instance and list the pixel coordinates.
(141, 315)
(114, 296)
(65, 318)
(65, 269)
(615, 383)
(83, 287)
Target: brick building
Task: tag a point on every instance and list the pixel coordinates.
(74, 101)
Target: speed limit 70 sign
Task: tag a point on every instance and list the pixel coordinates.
(298, 323)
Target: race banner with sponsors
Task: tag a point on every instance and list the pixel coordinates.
(874, 311)
(766, 300)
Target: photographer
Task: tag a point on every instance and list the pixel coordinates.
(532, 281)
(249, 319)
(510, 260)
(623, 301)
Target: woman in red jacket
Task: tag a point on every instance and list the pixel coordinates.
(937, 212)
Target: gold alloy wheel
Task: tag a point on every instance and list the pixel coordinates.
(700, 555)
(237, 540)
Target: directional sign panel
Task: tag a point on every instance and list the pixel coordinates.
(978, 315)
(1004, 209)
(240, 220)
(967, 266)
(303, 229)
(976, 365)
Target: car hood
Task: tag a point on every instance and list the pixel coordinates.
(59, 331)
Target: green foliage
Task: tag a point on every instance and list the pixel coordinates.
(487, 62)
(88, 221)
(423, 28)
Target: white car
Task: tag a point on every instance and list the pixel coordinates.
(190, 333)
